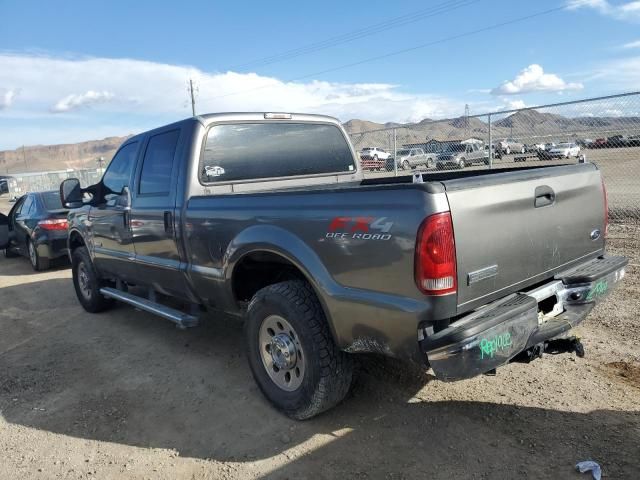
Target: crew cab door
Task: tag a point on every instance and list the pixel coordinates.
(153, 224)
(108, 219)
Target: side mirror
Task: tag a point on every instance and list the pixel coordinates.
(71, 193)
(4, 231)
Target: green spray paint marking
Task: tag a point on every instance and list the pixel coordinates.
(598, 289)
(489, 346)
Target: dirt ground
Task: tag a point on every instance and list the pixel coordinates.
(124, 394)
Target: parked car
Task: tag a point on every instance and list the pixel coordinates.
(564, 150)
(374, 158)
(4, 187)
(414, 157)
(509, 145)
(599, 143)
(37, 229)
(634, 141)
(617, 141)
(534, 147)
(297, 244)
(460, 155)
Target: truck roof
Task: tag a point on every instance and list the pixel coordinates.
(255, 116)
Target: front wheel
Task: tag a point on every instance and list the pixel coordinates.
(406, 165)
(462, 164)
(87, 282)
(291, 352)
(429, 163)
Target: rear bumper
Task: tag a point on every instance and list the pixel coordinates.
(493, 335)
(52, 245)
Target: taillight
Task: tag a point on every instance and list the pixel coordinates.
(435, 260)
(606, 209)
(53, 224)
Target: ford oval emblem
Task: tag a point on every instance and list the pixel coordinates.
(595, 234)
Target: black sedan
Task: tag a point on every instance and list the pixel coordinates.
(36, 228)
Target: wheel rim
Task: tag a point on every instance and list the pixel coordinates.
(429, 163)
(281, 353)
(33, 256)
(84, 281)
(406, 165)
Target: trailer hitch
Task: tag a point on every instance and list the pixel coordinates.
(552, 347)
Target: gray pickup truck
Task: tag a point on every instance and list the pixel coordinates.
(268, 217)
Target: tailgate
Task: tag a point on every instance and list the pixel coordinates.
(515, 229)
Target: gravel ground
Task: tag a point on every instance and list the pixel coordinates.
(126, 395)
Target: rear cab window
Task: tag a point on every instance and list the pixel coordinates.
(238, 152)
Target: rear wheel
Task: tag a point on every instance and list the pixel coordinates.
(462, 163)
(38, 263)
(406, 165)
(291, 352)
(429, 163)
(87, 282)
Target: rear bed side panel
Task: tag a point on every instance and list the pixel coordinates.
(361, 264)
(504, 243)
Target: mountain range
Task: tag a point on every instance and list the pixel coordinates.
(531, 126)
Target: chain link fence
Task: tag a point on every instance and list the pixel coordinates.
(605, 131)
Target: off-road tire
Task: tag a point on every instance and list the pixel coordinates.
(96, 302)
(38, 263)
(328, 370)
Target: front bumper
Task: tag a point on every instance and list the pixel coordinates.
(493, 335)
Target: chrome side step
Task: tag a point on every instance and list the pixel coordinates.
(181, 319)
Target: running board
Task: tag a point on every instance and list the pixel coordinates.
(183, 320)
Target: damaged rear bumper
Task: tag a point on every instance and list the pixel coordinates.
(491, 336)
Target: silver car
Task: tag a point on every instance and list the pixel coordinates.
(459, 155)
(414, 157)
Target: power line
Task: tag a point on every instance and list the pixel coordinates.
(406, 49)
(370, 30)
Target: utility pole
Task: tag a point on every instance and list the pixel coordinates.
(193, 100)
(466, 120)
(24, 159)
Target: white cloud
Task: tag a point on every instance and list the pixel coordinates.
(75, 101)
(629, 11)
(147, 93)
(534, 79)
(7, 96)
(631, 45)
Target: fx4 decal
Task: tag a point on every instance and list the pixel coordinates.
(360, 228)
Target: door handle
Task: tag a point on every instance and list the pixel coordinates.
(544, 196)
(168, 222)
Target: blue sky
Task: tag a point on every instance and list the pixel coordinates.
(78, 70)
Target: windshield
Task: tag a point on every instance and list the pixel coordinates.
(403, 153)
(455, 148)
(51, 200)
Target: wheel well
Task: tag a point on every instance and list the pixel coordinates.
(257, 270)
(75, 241)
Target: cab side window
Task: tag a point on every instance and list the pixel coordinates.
(155, 178)
(118, 173)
